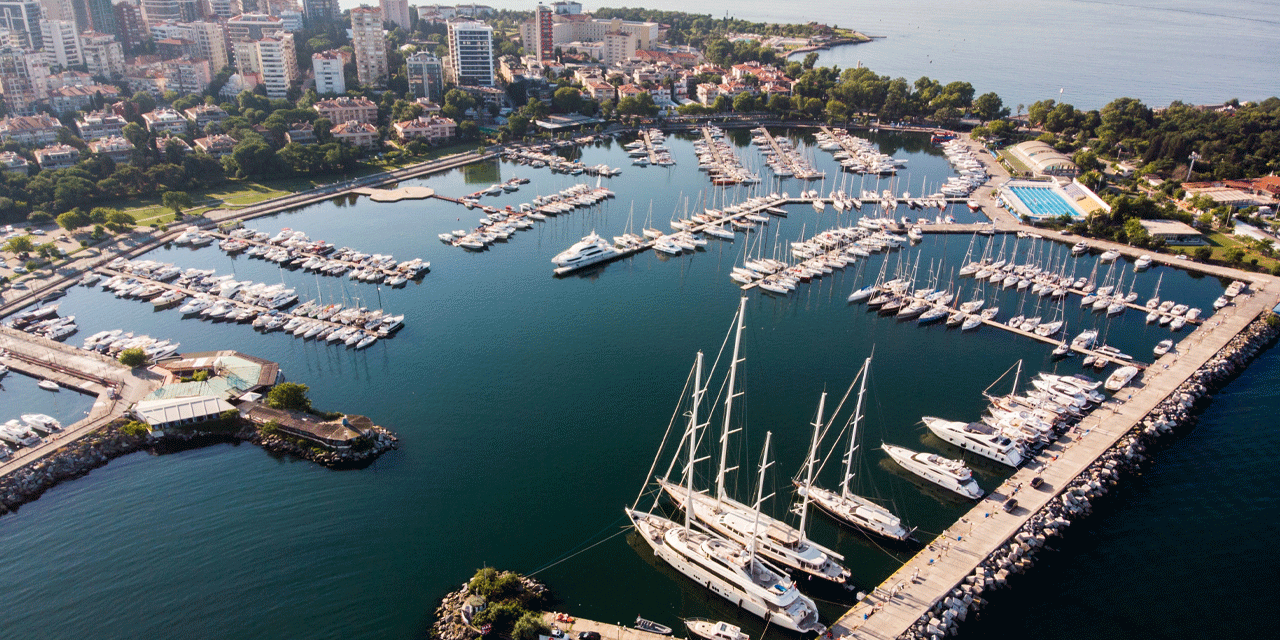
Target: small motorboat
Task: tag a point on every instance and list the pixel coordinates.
(652, 627)
(714, 630)
(48, 385)
(1163, 347)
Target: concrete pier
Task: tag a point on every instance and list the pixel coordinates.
(607, 631)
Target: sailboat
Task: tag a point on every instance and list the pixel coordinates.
(846, 506)
(727, 569)
(776, 540)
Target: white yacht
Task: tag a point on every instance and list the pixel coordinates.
(1163, 347)
(42, 422)
(714, 629)
(589, 250)
(1120, 377)
(944, 472)
(977, 437)
(1142, 263)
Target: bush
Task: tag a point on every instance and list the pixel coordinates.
(135, 429)
(1202, 254)
(502, 616)
(271, 428)
(289, 395)
(492, 585)
(529, 627)
(133, 357)
(200, 376)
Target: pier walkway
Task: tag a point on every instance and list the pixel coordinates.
(788, 158)
(387, 272)
(606, 631)
(116, 387)
(893, 607)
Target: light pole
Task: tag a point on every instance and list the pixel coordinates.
(1194, 156)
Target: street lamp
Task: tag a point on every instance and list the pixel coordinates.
(1194, 156)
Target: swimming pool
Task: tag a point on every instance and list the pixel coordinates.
(1044, 202)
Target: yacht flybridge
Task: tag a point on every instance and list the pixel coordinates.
(773, 539)
(728, 569)
(590, 250)
(977, 437)
(944, 472)
(846, 506)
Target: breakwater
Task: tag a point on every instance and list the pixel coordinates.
(1075, 500)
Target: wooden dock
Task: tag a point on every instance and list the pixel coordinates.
(788, 159)
(607, 631)
(906, 595)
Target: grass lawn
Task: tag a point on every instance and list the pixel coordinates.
(1014, 163)
(1220, 242)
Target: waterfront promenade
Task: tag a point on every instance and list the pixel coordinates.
(898, 602)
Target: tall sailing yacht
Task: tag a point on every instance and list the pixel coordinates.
(775, 539)
(726, 568)
(846, 506)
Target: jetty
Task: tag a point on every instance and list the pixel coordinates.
(784, 157)
(572, 626)
(911, 595)
(396, 195)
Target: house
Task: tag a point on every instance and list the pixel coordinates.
(165, 120)
(1172, 232)
(348, 109)
(37, 130)
(201, 115)
(301, 133)
(100, 124)
(217, 145)
(115, 147)
(599, 90)
(360, 134)
(707, 93)
(57, 156)
(430, 128)
(166, 139)
(629, 91)
(169, 413)
(429, 108)
(11, 162)
(78, 97)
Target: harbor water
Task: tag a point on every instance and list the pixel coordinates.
(529, 408)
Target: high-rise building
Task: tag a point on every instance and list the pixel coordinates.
(61, 42)
(225, 9)
(327, 66)
(271, 59)
(102, 18)
(544, 40)
(370, 46)
(210, 42)
(253, 26)
(157, 11)
(396, 12)
(321, 10)
(131, 29)
(426, 76)
(16, 87)
(471, 52)
(58, 10)
(21, 18)
(102, 54)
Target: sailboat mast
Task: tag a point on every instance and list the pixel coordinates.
(693, 442)
(728, 405)
(813, 454)
(764, 464)
(853, 432)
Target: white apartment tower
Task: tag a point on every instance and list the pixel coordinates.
(328, 69)
(395, 12)
(370, 46)
(272, 59)
(61, 42)
(102, 54)
(471, 52)
(210, 43)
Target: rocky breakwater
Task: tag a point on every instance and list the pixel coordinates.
(1076, 499)
(377, 442)
(72, 461)
(489, 589)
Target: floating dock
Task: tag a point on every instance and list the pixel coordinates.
(572, 626)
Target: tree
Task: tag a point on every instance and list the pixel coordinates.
(73, 220)
(119, 221)
(567, 100)
(988, 107)
(20, 245)
(176, 200)
(133, 357)
(529, 627)
(1234, 255)
(144, 101)
(289, 395)
(1203, 254)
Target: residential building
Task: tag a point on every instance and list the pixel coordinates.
(61, 44)
(599, 90)
(253, 26)
(360, 134)
(429, 108)
(426, 76)
(225, 9)
(348, 109)
(471, 52)
(103, 56)
(209, 40)
(17, 88)
(68, 78)
(115, 147)
(186, 75)
(157, 11)
(57, 156)
(574, 28)
(327, 66)
(370, 46)
(100, 124)
(538, 34)
(21, 18)
(38, 130)
(272, 59)
(292, 20)
(301, 133)
(165, 119)
(216, 145)
(11, 162)
(201, 115)
(76, 98)
(430, 128)
(619, 46)
(321, 10)
(102, 18)
(131, 28)
(396, 12)
(563, 7)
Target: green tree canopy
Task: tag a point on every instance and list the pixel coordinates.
(133, 357)
(289, 395)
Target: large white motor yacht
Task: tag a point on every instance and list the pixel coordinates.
(944, 472)
(977, 437)
(589, 250)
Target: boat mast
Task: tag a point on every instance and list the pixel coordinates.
(813, 454)
(764, 464)
(693, 442)
(853, 432)
(726, 431)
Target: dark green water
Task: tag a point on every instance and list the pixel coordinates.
(529, 410)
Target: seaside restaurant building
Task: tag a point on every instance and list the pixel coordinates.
(1173, 233)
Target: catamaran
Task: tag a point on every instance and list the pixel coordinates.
(846, 506)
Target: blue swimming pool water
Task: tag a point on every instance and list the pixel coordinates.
(1044, 202)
